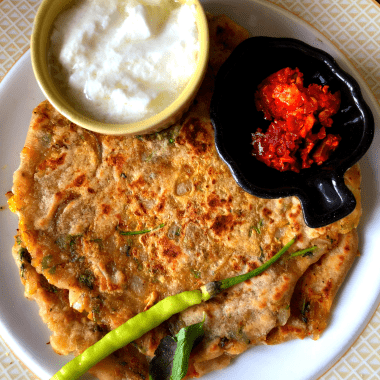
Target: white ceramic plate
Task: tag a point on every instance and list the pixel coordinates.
(27, 336)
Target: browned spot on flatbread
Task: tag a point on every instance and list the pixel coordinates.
(267, 212)
(341, 259)
(79, 180)
(296, 213)
(223, 223)
(296, 227)
(106, 209)
(180, 214)
(142, 207)
(161, 205)
(52, 163)
(196, 135)
(188, 169)
(326, 290)
(41, 119)
(158, 269)
(215, 201)
(59, 195)
(282, 290)
(117, 160)
(253, 265)
(170, 250)
(138, 183)
(241, 261)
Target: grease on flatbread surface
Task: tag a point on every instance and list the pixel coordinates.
(76, 191)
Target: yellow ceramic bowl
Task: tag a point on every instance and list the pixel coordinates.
(47, 12)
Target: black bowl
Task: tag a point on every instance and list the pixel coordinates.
(321, 189)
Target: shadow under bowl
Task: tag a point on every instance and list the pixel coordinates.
(321, 189)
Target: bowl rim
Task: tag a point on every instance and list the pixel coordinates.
(46, 14)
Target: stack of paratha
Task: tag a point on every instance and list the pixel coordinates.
(78, 195)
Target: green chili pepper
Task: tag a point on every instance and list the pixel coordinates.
(128, 332)
(143, 322)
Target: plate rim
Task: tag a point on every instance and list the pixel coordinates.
(288, 14)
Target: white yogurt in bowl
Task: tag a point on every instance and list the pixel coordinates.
(122, 61)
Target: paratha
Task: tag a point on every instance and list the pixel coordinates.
(110, 225)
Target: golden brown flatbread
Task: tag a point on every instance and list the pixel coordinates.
(78, 193)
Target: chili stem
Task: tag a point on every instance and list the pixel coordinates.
(213, 288)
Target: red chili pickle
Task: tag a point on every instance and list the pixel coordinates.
(294, 111)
